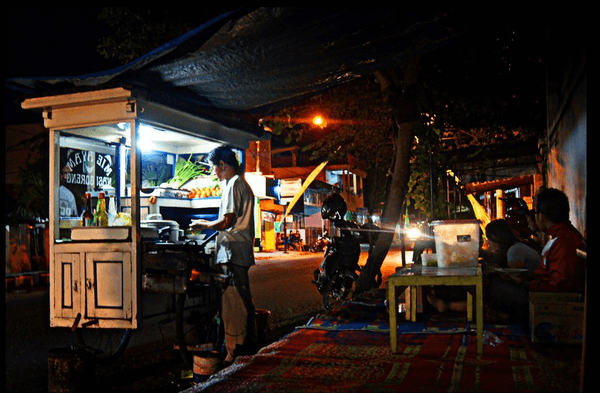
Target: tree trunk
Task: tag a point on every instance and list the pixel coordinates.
(405, 114)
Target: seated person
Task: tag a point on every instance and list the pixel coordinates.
(507, 295)
(560, 269)
(279, 240)
(293, 240)
(289, 239)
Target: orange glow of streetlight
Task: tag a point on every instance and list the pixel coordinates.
(319, 121)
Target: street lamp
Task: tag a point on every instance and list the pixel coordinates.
(319, 121)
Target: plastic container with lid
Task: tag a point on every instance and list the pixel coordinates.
(457, 242)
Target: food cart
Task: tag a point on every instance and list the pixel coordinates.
(133, 150)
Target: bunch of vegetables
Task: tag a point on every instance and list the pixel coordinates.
(186, 170)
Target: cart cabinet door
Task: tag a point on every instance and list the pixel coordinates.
(67, 286)
(108, 285)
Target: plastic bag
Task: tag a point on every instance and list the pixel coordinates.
(491, 339)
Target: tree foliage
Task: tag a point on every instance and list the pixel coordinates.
(490, 82)
(138, 30)
(484, 88)
(32, 187)
(425, 164)
(358, 124)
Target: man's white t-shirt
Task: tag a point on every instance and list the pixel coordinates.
(67, 205)
(236, 244)
(522, 252)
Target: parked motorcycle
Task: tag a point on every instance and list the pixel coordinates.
(336, 276)
(321, 243)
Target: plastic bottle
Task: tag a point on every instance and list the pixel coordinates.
(87, 217)
(102, 218)
(112, 211)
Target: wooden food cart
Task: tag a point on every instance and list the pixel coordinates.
(125, 145)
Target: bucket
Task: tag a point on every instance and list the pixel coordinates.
(456, 242)
(262, 324)
(70, 370)
(206, 363)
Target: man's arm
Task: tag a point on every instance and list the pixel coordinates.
(220, 224)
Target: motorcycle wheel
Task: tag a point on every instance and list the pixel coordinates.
(338, 290)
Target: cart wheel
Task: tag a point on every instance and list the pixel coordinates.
(105, 344)
(198, 323)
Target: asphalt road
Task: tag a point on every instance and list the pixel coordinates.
(280, 283)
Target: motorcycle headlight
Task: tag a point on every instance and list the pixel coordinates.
(413, 233)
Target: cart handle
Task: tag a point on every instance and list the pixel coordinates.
(208, 239)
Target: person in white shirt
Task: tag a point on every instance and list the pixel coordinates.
(507, 294)
(67, 204)
(234, 252)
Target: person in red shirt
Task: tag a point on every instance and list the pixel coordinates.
(560, 269)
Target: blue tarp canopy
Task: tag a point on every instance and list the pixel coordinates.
(250, 62)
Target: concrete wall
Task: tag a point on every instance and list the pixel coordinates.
(567, 122)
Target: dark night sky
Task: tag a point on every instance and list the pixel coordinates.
(52, 41)
(44, 42)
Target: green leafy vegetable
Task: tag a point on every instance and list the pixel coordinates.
(186, 170)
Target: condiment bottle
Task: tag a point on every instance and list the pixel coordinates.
(112, 211)
(87, 218)
(102, 218)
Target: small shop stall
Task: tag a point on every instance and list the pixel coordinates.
(148, 160)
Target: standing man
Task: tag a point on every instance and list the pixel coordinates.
(560, 269)
(235, 251)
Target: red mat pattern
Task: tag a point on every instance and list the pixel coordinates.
(310, 360)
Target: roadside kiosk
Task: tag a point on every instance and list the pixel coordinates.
(146, 158)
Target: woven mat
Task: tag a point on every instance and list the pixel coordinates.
(349, 351)
(310, 360)
(369, 312)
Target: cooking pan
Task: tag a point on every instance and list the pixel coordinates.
(162, 230)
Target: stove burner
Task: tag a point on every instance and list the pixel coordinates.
(185, 246)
